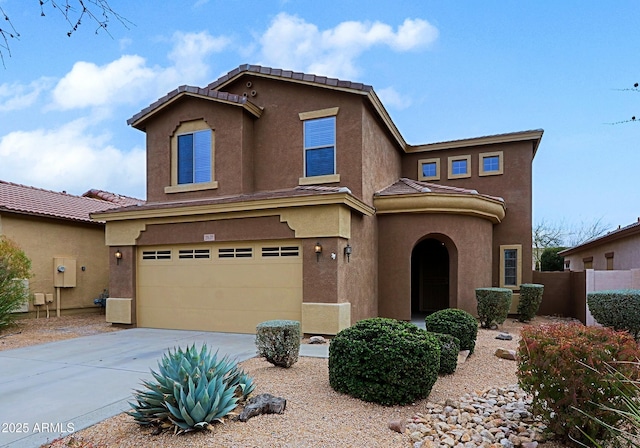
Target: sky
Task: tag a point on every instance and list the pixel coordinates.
(444, 70)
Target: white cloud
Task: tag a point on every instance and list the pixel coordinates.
(390, 97)
(292, 43)
(71, 158)
(129, 79)
(18, 96)
(88, 84)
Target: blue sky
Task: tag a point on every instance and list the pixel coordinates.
(444, 70)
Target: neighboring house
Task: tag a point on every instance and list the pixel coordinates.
(55, 230)
(617, 250)
(280, 195)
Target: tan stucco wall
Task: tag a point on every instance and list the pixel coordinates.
(626, 255)
(468, 240)
(44, 239)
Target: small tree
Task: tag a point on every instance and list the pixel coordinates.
(550, 260)
(14, 267)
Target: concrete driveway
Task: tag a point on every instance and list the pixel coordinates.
(53, 389)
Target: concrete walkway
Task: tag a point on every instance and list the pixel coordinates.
(50, 390)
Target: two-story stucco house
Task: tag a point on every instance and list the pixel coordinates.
(280, 195)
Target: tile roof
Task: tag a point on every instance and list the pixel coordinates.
(299, 191)
(112, 197)
(409, 186)
(206, 92)
(16, 198)
(288, 74)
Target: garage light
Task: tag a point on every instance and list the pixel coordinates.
(347, 251)
(118, 256)
(318, 250)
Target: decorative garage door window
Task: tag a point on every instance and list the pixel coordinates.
(235, 252)
(194, 253)
(156, 255)
(281, 251)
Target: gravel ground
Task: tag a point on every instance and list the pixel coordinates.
(316, 416)
(27, 332)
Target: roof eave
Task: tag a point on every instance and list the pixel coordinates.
(138, 121)
(608, 238)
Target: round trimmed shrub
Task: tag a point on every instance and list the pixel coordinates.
(493, 305)
(384, 361)
(617, 308)
(449, 349)
(455, 322)
(530, 300)
(278, 341)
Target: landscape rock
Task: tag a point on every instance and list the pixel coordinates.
(262, 404)
(398, 425)
(497, 418)
(504, 337)
(462, 356)
(317, 340)
(506, 354)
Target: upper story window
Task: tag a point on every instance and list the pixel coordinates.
(491, 164)
(192, 158)
(459, 167)
(429, 169)
(319, 146)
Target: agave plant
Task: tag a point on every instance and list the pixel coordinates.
(192, 388)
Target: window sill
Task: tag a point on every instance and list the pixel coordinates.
(458, 176)
(191, 187)
(314, 180)
(490, 173)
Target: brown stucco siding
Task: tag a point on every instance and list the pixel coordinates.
(398, 234)
(44, 239)
(226, 121)
(246, 229)
(279, 131)
(514, 186)
(381, 159)
(320, 272)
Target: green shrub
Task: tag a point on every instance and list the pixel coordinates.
(550, 260)
(14, 266)
(449, 349)
(457, 323)
(192, 388)
(618, 309)
(530, 300)
(278, 341)
(560, 364)
(493, 305)
(384, 361)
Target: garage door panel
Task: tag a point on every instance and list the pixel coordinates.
(218, 294)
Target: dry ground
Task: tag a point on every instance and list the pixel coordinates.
(316, 416)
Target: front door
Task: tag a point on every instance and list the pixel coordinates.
(429, 277)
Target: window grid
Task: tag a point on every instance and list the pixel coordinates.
(194, 254)
(511, 267)
(429, 169)
(280, 251)
(459, 167)
(236, 252)
(156, 255)
(491, 163)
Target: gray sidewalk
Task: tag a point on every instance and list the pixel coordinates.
(50, 390)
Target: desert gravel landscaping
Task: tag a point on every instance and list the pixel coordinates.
(316, 415)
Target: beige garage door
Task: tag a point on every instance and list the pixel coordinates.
(219, 287)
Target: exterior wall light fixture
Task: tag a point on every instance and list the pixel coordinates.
(347, 251)
(118, 256)
(318, 250)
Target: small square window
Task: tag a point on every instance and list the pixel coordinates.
(491, 163)
(459, 167)
(429, 169)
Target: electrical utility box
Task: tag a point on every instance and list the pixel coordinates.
(64, 272)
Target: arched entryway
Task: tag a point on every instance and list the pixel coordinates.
(430, 277)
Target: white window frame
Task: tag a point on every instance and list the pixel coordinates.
(456, 159)
(485, 155)
(423, 162)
